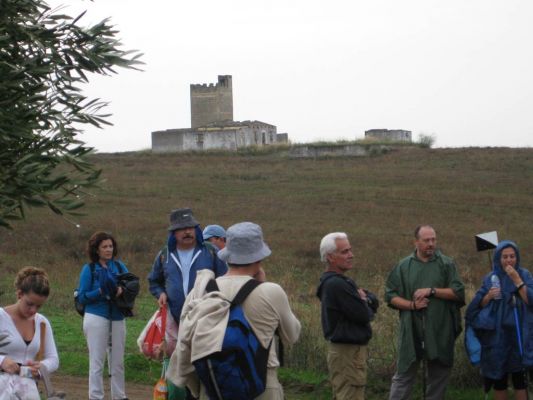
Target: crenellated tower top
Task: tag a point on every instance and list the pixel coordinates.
(212, 103)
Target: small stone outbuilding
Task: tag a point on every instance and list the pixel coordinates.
(396, 135)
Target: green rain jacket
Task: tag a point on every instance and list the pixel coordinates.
(442, 317)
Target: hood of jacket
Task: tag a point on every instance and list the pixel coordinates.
(496, 259)
(324, 277)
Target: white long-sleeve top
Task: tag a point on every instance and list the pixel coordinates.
(12, 344)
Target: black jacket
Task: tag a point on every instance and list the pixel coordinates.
(345, 316)
(130, 289)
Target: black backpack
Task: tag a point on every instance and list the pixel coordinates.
(80, 308)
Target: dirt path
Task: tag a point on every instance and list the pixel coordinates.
(76, 388)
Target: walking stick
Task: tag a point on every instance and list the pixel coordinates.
(487, 241)
(110, 341)
(519, 340)
(424, 359)
(110, 349)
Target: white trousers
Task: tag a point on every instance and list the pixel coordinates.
(15, 387)
(96, 330)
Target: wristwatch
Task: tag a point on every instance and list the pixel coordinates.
(432, 292)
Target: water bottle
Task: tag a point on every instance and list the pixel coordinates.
(495, 281)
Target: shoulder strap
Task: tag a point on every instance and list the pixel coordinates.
(211, 286)
(40, 353)
(120, 269)
(162, 252)
(241, 295)
(244, 291)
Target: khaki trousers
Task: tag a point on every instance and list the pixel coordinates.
(347, 370)
(273, 391)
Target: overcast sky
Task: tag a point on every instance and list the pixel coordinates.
(461, 70)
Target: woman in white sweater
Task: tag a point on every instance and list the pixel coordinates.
(26, 338)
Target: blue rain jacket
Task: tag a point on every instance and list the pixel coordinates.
(166, 275)
(494, 325)
(89, 289)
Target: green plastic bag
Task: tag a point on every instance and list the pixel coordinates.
(174, 392)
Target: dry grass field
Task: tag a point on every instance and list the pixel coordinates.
(377, 200)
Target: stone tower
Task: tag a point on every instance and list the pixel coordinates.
(212, 103)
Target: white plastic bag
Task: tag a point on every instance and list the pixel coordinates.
(171, 333)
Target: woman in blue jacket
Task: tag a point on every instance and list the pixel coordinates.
(502, 318)
(103, 323)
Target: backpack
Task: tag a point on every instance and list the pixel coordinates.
(80, 308)
(238, 371)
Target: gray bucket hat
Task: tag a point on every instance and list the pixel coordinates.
(244, 244)
(182, 218)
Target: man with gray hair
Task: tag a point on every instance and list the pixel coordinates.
(346, 312)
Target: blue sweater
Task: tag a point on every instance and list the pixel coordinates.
(89, 291)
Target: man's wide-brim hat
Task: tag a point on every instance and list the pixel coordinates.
(244, 244)
(182, 218)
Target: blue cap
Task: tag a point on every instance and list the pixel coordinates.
(213, 230)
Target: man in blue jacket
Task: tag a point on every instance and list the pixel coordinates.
(175, 266)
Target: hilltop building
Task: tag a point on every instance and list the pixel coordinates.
(213, 103)
(212, 125)
(397, 135)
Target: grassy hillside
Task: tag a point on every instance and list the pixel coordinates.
(377, 200)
